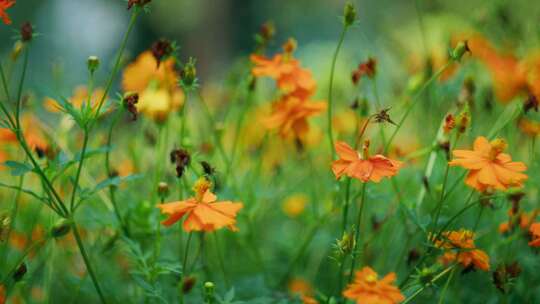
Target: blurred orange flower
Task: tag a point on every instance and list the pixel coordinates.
(202, 212)
(467, 254)
(488, 167)
(2, 294)
(368, 289)
(145, 71)
(80, 96)
(290, 114)
(4, 5)
(302, 288)
(535, 234)
(523, 219)
(529, 127)
(363, 167)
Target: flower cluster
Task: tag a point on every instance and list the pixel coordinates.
(459, 246)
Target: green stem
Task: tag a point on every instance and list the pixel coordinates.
(79, 170)
(443, 293)
(414, 100)
(357, 232)
(6, 91)
(87, 262)
(435, 279)
(20, 89)
(330, 90)
(116, 67)
(221, 262)
(12, 270)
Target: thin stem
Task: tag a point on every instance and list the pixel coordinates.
(87, 262)
(443, 293)
(346, 207)
(117, 61)
(435, 279)
(19, 90)
(414, 100)
(21, 260)
(357, 232)
(79, 169)
(6, 91)
(330, 90)
(186, 252)
(221, 262)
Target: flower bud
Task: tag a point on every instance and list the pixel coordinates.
(346, 243)
(27, 32)
(16, 51)
(461, 48)
(349, 14)
(163, 190)
(60, 228)
(20, 272)
(130, 100)
(209, 290)
(92, 63)
(188, 283)
(449, 123)
(140, 3)
(531, 103)
(207, 168)
(290, 46)
(463, 121)
(189, 74)
(162, 49)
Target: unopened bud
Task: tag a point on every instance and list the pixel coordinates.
(349, 14)
(60, 228)
(163, 190)
(461, 48)
(209, 290)
(463, 121)
(290, 46)
(189, 74)
(92, 64)
(140, 3)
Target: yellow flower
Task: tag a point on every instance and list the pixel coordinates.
(158, 103)
(295, 204)
(145, 71)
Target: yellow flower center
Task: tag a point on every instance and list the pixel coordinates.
(371, 278)
(201, 186)
(497, 146)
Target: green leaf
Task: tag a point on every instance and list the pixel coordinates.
(113, 181)
(26, 191)
(17, 168)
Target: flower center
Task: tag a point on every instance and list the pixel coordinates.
(497, 146)
(201, 186)
(371, 278)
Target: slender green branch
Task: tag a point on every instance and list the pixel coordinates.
(357, 232)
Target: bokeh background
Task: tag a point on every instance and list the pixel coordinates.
(217, 32)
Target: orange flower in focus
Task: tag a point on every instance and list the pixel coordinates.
(368, 289)
(488, 167)
(363, 167)
(467, 254)
(508, 74)
(290, 115)
(202, 212)
(4, 5)
(535, 234)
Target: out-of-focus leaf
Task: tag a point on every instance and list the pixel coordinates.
(17, 168)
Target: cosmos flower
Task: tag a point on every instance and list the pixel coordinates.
(367, 288)
(290, 115)
(4, 5)
(363, 167)
(460, 247)
(535, 235)
(202, 212)
(489, 167)
(79, 97)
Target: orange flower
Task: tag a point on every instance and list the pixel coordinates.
(488, 167)
(290, 114)
(202, 212)
(508, 74)
(145, 71)
(529, 127)
(276, 67)
(535, 234)
(303, 289)
(462, 239)
(2, 294)
(525, 220)
(364, 168)
(4, 5)
(368, 289)
(80, 96)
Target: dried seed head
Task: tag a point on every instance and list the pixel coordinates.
(383, 117)
(129, 102)
(181, 158)
(27, 32)
(162, 49)
(188, 283)
(531, 103)
(463, 121)
(207, 168)
(61, 228)
(140, 3)
(449, 123)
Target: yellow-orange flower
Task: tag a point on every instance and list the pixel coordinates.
(290, 114)
(489, 167)
(535, 235)
(158, 103)
(202, 212)
(367, 288)
(145, 71)
(4, 5)
(302, 288)
(524, 222)
(529, 127)
(460, 247)
(363, 167)
(295, 204)
(80, 96)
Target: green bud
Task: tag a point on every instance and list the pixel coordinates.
(189, 74)
(61, 228)
(461, 48)
(209, 289)
(163, 190)
(349, 14)
(92, 63)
